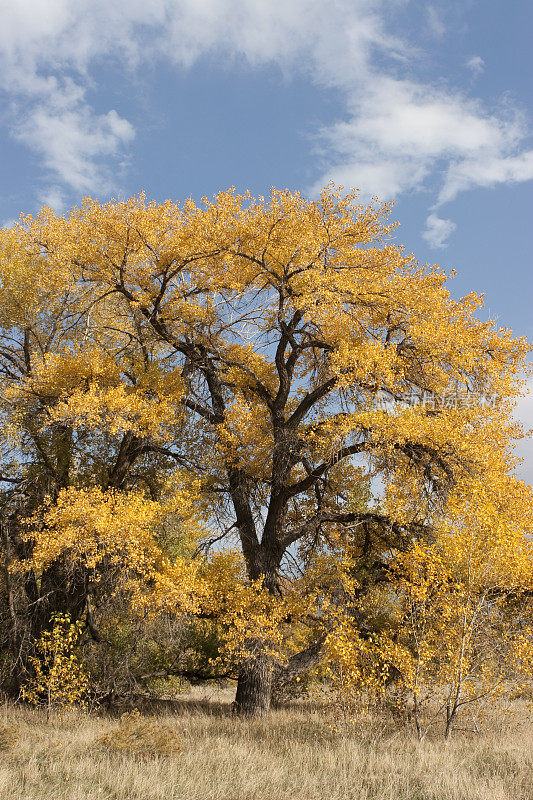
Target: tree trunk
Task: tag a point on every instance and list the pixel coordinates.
(254, 687)
(451, 713)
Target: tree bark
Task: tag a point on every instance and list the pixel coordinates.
(299, 662)
(254, 687)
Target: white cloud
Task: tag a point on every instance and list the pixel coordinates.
(53, 197)
(48, 49)
(476, 64)
(396, 136)
(374, 176)
(438, 230)
(486, 170)
(72, 143)
(403, 132)
(434, 21)
(407, 120)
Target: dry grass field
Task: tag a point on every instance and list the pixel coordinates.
(296, 755)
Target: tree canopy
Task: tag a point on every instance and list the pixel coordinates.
(177, 379)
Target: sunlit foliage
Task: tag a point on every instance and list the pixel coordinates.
(177, 378)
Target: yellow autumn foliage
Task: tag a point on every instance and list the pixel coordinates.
(245, 346)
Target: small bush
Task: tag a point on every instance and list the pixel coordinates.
(58, 678)
(137, 734)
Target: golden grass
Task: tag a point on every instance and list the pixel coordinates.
(295, 754)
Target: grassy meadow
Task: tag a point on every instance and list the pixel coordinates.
(195, 750)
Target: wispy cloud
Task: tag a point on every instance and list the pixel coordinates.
(54, 197)
(74, 141)
(438, 231)
(46, 50)
(397, 135)
(435, 23)
(476, 64)
(401, 133)
(486, 169)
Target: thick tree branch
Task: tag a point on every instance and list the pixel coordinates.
(299, 662)
(312, 525)
(306, 483)
(307, 403)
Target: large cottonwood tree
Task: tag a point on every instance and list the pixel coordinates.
(249, 343)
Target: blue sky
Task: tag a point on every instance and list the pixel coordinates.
(426, 103)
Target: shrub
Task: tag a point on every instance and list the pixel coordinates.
(58, 678)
